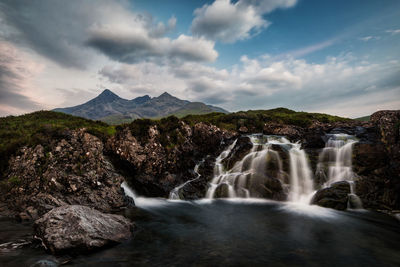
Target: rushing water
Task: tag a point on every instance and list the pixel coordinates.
(236, 232)
(335, 164)
(253, 169)
(174, 194)
(335, 160)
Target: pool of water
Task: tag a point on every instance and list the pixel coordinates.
(236, 233)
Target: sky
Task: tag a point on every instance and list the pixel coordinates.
(339, 57)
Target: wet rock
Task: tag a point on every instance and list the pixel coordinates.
(242, 147)
(79, 228)
(335, 197)
(266, 187)
(222, 191)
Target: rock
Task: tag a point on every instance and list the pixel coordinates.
(378, 163)
(290, 131)
(243, 130)
(73, 170)
(79, 228)
(335, 197)
(154, 168)
(222, 191)
(266, 187)
(242, 147)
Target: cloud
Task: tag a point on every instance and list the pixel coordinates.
(228, 21)
(16, 77)
(111, 27)
(264, 82)
(137, 47)
(393, 32)
(368, 38)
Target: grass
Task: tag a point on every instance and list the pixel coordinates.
(365, 118)
(255, 119)
(42, 127)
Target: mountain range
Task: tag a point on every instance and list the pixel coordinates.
(111, 108)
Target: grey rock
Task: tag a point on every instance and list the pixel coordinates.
(79, 228)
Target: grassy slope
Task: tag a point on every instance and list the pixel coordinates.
(256, 118)
(40, 128)
(365, 118)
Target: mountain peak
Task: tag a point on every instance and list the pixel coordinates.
(165, 94)
(107, 95)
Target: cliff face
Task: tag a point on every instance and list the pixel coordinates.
(71, 171)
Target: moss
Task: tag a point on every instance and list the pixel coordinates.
(14, 180)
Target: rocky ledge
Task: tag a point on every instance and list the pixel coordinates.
(76, 228)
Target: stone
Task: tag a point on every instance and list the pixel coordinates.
(76, 228)
(335, 197)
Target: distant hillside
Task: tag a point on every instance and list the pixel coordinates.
(365, 118)
(111, 108)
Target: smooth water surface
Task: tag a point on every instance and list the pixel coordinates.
(240, 232)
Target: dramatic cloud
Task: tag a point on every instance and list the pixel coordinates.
(67, 31)
(16, 73)
(137, 47)
(228, 22)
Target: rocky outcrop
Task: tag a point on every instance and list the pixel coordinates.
(335, 197)
(163, 160)
(79, 229)
(378, 163)
(242, 147)
(290, 131)
(73, 170)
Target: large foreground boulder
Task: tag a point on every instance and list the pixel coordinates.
(76, 228)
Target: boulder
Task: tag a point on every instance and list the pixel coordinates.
(222, 191)
(335, 197)
(242, 147)
(76, 228)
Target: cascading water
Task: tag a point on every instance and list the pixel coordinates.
(335, 160)
(301, 182)
(174, 194)
(335, 163)
(246, 177)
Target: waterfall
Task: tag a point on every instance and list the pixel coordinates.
(128, 191)
(335, 160)
(335, 164)
(247, 175)
(174, 194)
(301, 182)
